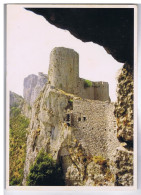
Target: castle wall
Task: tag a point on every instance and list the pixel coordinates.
(95, 126)
(64, 74)
(98, 90)
(64, 69)
(101, 91)
(88, 92)
(111, 130)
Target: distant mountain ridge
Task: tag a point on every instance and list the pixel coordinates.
(33, 84)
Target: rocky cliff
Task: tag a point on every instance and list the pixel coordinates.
(51, 129)
(79, 133)
(125, 122)
(20, 115)
(29, 84)
(33, 84)
(16, 100)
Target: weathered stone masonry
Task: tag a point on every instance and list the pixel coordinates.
(64, 74)
(96, 126)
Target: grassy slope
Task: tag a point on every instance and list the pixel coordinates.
(18, 126)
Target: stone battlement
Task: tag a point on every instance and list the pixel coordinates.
(64, 74)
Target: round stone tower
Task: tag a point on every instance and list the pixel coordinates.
(64, 69)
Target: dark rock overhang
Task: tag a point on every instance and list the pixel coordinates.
(112, 28)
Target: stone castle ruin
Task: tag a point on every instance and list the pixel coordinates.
(119, 45)
(94, 120)
(74, 122)
(73, 119)
(64, 74)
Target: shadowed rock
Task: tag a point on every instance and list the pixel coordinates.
(112, 28)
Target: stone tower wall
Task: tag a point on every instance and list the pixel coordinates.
(64, 74)
(95, 126)
(64, 69)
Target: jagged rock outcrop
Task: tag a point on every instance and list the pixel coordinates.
(46, 128)
(16, 100)
(111, 28)
(124, 105)
(125, 133)
(19, 102)
(41, 81)
(124, 167)
(50, 130)
(29, 84)
(33, 84)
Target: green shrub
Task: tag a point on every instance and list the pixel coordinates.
(14, 111)
(45, 172)
(87, 83)
(17, 145)
(70, 101)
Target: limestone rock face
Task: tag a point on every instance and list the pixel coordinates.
(124, 167)
(41, 81)
(87, 169)
(16, 100)
(125, 133)
(100, 175)
(47, 128)
(124, 105)
(57, 126)
(33, 84)
(26, 110)
(29, 84)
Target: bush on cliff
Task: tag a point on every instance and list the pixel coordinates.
(45, 172)
(87, 83)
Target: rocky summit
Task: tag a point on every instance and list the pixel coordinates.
(33, 84)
